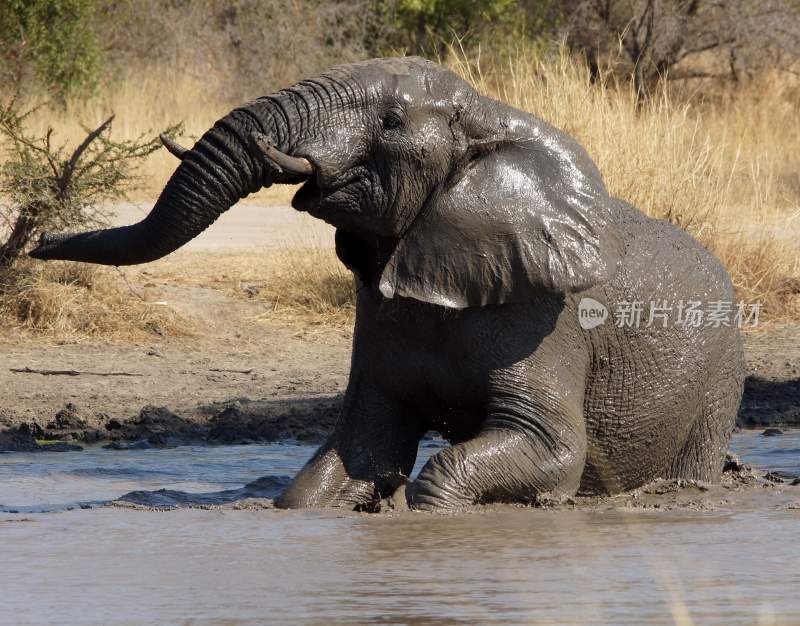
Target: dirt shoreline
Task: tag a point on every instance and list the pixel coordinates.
(224, 389)
(266, 384)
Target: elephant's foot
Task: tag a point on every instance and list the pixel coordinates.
(441, 485)
(349, 494)
(495, 466)
(323, 482)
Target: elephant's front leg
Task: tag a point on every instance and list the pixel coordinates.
(532, 443)
(374, 441)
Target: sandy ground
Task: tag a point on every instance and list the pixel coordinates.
(239, 380)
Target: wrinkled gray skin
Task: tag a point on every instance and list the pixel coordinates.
(474, 230)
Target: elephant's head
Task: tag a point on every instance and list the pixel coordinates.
(437, 193)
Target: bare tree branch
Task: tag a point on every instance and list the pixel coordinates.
(684, 38)
(69, 168)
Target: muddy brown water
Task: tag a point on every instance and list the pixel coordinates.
(65, 564)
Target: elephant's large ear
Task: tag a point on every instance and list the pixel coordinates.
(522, 217)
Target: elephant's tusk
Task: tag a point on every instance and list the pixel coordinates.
(173, 146)
(296, 166)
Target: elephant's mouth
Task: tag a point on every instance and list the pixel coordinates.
(316, 194)
(308, 197)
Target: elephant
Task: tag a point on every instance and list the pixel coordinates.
(488, 258)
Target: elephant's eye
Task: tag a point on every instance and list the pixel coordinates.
(392, 121)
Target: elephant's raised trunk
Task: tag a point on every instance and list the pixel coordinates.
(219, 170)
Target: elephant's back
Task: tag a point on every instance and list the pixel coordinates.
(655, 367)
(658, 253)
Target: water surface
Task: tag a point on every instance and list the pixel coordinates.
(121, 566)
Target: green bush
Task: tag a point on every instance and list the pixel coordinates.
(428, 25)
(53, 40)
(44, 186)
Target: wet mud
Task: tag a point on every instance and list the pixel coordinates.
(768, 402)
(256, 494)
(772, 387)
(741, 485)
(242, 421)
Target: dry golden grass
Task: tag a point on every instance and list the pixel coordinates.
(72, 300)
(303, 284)
(722, 163)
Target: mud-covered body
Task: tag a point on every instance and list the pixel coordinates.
(618, 405)
(475, 231)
